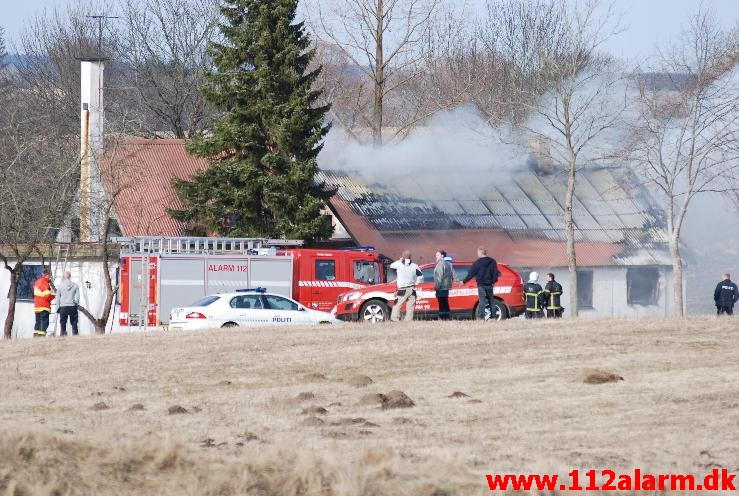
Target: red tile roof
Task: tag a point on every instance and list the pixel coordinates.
(146, 192)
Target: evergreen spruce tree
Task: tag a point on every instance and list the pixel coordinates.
(262, 150)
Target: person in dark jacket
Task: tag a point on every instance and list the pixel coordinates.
(443, 279)
(534, 294)
(725, 296)
(485, 273)
(552, 295)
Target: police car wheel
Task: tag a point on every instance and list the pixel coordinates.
(229, 325)
(373, 311)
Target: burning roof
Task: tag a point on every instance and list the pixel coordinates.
(519, 217)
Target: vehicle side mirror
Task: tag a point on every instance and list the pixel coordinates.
(371, 280)
(301, 309)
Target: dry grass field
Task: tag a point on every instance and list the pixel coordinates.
(296, 411)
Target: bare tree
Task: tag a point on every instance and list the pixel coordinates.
(117, 175)
(384, 41)
(515, 43)
(161, 53)
(38, 167)
(156, 55)
(3, 50)
(571, 95)
(52, 44)
(684, 137)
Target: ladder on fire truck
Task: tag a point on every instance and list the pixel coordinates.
(148, 246)
(164, 245)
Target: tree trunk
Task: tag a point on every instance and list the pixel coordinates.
(12, 297)
(98, 323)
(570, 238)
(379, 75)
(677, 276)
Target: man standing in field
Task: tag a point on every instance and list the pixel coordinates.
(443, 279)
(552, 296)
(725, 296)
(485, 272)
(42, 298)
(408, 276)
(69, 299)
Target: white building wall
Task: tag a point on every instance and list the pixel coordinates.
(87, 274)
(610, 292)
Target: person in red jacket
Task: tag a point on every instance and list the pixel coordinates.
(42, 297)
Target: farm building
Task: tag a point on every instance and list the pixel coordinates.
(623, 258)
(621, 245)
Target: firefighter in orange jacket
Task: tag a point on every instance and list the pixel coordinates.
(42, 297)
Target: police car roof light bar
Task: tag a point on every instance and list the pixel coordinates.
(252, 290)
(359, 248)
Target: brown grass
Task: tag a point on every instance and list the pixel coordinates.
(529, 407)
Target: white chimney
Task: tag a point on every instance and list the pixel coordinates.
(92, 134)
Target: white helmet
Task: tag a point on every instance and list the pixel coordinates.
(533, 276)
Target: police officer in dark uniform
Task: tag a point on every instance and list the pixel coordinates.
(552, 294)
(534, 294)
(725, 295)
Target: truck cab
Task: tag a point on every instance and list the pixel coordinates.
(320, 276)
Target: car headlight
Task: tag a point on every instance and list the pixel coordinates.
(351, 296)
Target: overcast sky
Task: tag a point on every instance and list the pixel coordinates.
(648, 22)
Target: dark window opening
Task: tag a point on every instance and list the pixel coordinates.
(325, 270)
(585, 289)
(29, 274)
(642, 285)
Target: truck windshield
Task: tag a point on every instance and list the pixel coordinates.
(368, 272)
(204, 302)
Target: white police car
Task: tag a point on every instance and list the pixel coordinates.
(245, 308)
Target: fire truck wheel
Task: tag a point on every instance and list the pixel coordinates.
(374, 311)
(501, 312)
(228, 325)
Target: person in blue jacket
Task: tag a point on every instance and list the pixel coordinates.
(725, 296)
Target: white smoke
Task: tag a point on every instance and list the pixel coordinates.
(458, 144)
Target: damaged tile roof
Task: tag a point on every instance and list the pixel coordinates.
(518, 216)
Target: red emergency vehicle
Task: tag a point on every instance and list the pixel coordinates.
(161, 273)
(373, 303)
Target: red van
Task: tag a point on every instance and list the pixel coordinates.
(373, 303)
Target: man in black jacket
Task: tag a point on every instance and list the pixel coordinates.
(725, 295)
(485, 272)
(552, 295)
(534, 294)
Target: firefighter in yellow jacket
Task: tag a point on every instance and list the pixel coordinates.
(42, 297)
(534, 294)
(552, 296)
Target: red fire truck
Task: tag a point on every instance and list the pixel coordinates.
(160, 273)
